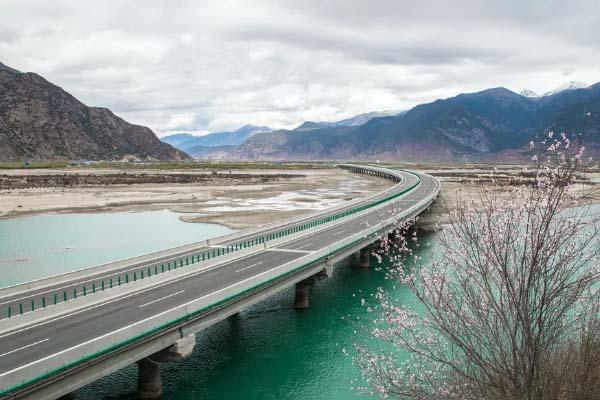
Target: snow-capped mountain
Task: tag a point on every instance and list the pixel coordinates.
(529, 93)
(567, 86)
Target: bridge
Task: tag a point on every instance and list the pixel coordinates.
(60, 333)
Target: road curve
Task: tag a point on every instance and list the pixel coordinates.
(34, 350)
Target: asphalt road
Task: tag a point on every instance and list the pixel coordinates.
(18, 349)
(123, 271)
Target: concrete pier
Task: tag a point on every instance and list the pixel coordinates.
(303, 293)
(149, 385)
(362, 258)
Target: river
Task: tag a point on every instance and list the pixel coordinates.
(269, 351)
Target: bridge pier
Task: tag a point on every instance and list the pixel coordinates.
(149, 386)
(303, 287)
(362, 258)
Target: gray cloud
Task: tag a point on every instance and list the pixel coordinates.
(214, 65)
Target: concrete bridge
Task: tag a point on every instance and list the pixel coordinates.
(60, 333)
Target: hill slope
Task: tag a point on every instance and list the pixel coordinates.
(39, 120)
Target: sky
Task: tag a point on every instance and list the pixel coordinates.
(205, 66)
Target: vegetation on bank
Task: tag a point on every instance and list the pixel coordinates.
(509, 303)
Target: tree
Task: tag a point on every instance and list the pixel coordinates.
(508, 306)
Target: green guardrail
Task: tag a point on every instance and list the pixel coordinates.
(162, 327)
(171, 323)
(214, 253)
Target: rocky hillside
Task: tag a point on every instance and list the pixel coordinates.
(495, 123)
(40, 121)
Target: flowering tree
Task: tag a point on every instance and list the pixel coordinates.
(508, 305)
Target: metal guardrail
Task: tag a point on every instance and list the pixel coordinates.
(170, 253)
(164, 320)
(164, 266)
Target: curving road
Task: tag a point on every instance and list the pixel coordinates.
(33, 349)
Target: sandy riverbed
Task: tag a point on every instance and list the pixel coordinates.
(242, 203)
(237, 203)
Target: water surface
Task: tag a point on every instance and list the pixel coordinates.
(38, 246)
(269, 351)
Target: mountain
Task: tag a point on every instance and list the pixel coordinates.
(41, 121)
(186, 142)
(357, 120)
(6, 68)
(529, 93)
(361, 119)
(578, 114)
(472, 126)
(567, 86)
(198, 146)
(310, 125)
(178, 140)
(201, 152)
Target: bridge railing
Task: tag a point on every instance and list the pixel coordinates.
(130, 334)
(153, 269)
(167, 255)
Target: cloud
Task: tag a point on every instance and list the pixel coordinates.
(216, 65)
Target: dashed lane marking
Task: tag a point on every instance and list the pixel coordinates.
(24, 347)
(162, 298)
(249, 266)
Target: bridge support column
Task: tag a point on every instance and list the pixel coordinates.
(302, 293)
(327, 272)
(361, 258)
(149, 383)
(149, 386)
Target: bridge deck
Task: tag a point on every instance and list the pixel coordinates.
(25, 348)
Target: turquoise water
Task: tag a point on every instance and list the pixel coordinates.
(269, 351)
(38, 246)
(272, 351)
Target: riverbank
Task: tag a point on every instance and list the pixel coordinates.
(466, 185)
(235, 198)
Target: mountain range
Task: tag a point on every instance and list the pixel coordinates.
(197, 146)
(494, 124)
(41, 121)
(219, 144)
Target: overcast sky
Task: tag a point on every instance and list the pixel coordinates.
(203, 66)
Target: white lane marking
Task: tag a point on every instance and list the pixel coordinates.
(24, 347)
(249, 266)
(306, 245)
(168, 258)
(144, 320)
(337, 233)
(79, 311)
(135, 323)
(162, 298)
(290, 250)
